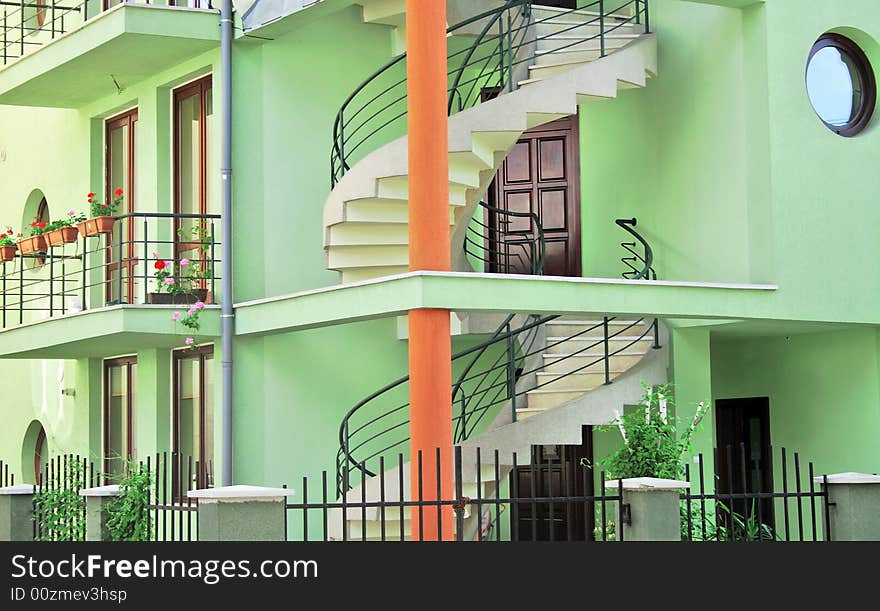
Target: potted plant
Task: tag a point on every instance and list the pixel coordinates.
(102, 215)
(64, 231)
(7, 245)
(180, 286)
(36, 241)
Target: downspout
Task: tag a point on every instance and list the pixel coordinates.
(227, 317)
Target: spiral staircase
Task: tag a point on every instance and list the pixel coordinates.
(535, 379)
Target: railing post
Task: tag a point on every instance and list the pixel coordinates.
(5, 37)
(50, 252)
(511, 373)
(637, 12)
(17, 512)
(647, 18)
(607, 352)
(146, 259)
(242, 513)
(21, 32)
(602, 26)
(852, 506)
(656, 326)
(21, 292)
(4, 294)
(119, 264)
(52, 17)
(510, 51)
(85, 265)
(650, 508)
(97, 500)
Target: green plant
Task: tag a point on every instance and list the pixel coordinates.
(180, 279)
(96, 208)
(652, 446)
(9, 237)
(128, 514)
(724, 525)
(60, 510)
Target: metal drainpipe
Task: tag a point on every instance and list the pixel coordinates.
(227, 316)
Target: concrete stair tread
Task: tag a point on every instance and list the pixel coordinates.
(560, 355)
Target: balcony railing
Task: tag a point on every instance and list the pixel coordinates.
(25, 25)
(121, 267)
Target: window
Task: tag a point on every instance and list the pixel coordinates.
(119, 418)
(119, 170)
(841, 85)
(193, 146)
(193, 415)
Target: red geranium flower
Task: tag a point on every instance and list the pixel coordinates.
(90, 195)
(160, 264)
(43, 225)
(90, 200)
(34, 224)
(118, 192)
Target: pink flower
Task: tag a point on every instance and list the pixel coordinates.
(155, 255)
(169, 281)
(199, 305)
(176, 316)
(189, 341)
(71, 213)
(184, 261)
(192, 310)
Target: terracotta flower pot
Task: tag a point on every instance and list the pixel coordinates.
(62, 235)
(32, 244)
(7, 253)
(96, 225)
(182, 299)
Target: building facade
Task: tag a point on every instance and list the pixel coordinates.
(609, 167)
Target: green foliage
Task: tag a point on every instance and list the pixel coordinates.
(96, 208)
(128, 513)
(8, 237)
(725, 525)
(652, 444)
(59, 509)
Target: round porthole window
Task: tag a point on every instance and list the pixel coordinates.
(841, 85)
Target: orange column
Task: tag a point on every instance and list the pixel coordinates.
(430, 351)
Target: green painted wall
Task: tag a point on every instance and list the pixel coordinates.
(824, 391)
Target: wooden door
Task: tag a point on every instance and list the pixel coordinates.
(119, 173)
(744, 462)
(540, 175)
(556, 471)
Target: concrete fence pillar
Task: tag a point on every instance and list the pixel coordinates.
(242, 513)
(650, 508)
(97, 500)
(17, 513)
(853, 506)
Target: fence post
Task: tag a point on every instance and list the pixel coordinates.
(97, 500)
(853, 510)
(242, 513)
(17, 513)
(650, 508)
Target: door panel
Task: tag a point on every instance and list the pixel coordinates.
(540, 175)
(743, 435)
(119, 168)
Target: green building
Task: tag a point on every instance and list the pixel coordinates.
(705, 164)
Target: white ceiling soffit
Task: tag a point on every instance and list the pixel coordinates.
(255, 13)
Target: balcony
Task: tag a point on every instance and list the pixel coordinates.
(64, 54)
(109, 293)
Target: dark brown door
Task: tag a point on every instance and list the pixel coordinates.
(744, 455)
(540, 175)
(556, 471)
(119, 173)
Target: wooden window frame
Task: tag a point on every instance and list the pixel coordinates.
(127, 362)
(126, 119)
(201, 353)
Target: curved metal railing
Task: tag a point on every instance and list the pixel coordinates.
(378, 427)
(639, 265)
(504, 249)
(487, 52)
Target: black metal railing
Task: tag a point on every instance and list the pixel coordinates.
(28, 24)
(528, 501)
(172, 512)
(7, 477)
(490, 51)
(378, 426)
(117, 268)
(639, 264)
(501, 245)
(745, 504)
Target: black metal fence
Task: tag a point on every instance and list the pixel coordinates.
(549, 499)
(172, 513)
(743, 502)
(116, 268)
(7, 478)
